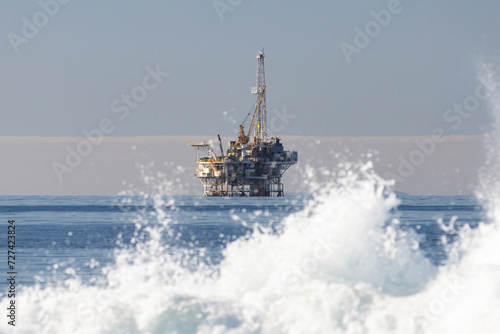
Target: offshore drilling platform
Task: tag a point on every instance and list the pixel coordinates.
(253, 164)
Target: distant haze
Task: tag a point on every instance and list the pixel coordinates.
(30, 165)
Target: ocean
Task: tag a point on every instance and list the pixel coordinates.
(352, 256)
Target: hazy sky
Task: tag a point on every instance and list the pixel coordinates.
(82, 57)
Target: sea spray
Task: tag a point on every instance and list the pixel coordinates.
(465, 296)
(332, 263)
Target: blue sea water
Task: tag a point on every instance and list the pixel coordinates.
(214, 265)
(55, 233)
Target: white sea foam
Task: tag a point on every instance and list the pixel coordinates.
(338, 266)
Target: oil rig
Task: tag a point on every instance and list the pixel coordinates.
(253, 164)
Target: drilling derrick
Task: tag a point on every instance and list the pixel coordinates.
(258, 126)
(253, 164)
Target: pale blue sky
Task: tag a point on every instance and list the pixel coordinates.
(66, 77)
